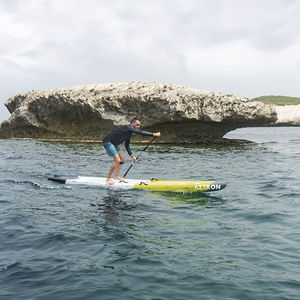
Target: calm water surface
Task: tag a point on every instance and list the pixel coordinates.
(75, 242)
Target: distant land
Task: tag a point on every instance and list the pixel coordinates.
(278, 100)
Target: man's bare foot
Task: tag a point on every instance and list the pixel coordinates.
(110, 181)
(120, 179)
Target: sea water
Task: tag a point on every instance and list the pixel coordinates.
(79, 242)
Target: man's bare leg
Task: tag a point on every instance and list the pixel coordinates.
(118, 168)
(113, 167)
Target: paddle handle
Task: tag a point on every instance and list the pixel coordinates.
(146, 147)
(128, 170)
(138, 156)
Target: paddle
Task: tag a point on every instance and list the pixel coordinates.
(138, 157)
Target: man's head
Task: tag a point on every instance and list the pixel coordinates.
(135, 123)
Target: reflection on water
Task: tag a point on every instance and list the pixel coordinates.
(200, 199)
(111, 207)
(157, 231)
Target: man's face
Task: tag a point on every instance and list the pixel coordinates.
(137, 124)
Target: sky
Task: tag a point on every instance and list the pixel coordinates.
(243, 47)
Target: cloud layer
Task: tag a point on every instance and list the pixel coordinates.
(248, 48)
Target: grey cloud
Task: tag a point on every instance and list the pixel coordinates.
(10, 5)
(266, 25)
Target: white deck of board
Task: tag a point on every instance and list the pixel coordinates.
(101, 181)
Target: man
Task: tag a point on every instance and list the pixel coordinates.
(116, 137)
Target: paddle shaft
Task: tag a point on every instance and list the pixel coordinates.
(139, 156)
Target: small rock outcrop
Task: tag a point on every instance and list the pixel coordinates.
(180, 113)
(287, 115)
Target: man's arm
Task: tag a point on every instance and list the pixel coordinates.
(127, 147)
(140, 132)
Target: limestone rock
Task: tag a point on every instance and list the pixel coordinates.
(182, 114)
(288, 115)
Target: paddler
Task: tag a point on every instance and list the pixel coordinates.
(117, 136)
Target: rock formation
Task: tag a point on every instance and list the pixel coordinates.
(287, 115)
(182, 114)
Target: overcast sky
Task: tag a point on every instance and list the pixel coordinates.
(243, 47)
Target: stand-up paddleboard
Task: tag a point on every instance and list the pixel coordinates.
(152, 185)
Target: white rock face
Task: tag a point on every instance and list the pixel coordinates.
(288, 115)
(182, 114)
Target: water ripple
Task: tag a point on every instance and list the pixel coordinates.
(74, 242)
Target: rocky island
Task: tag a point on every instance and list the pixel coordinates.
(86, 113)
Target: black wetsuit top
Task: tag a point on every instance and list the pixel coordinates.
(123, 134)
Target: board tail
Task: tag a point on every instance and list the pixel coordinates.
(58, 180)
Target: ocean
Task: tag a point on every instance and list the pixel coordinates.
(79, 242)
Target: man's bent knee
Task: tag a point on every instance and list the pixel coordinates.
(117, 159)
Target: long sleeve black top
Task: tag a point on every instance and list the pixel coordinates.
(123, 134)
